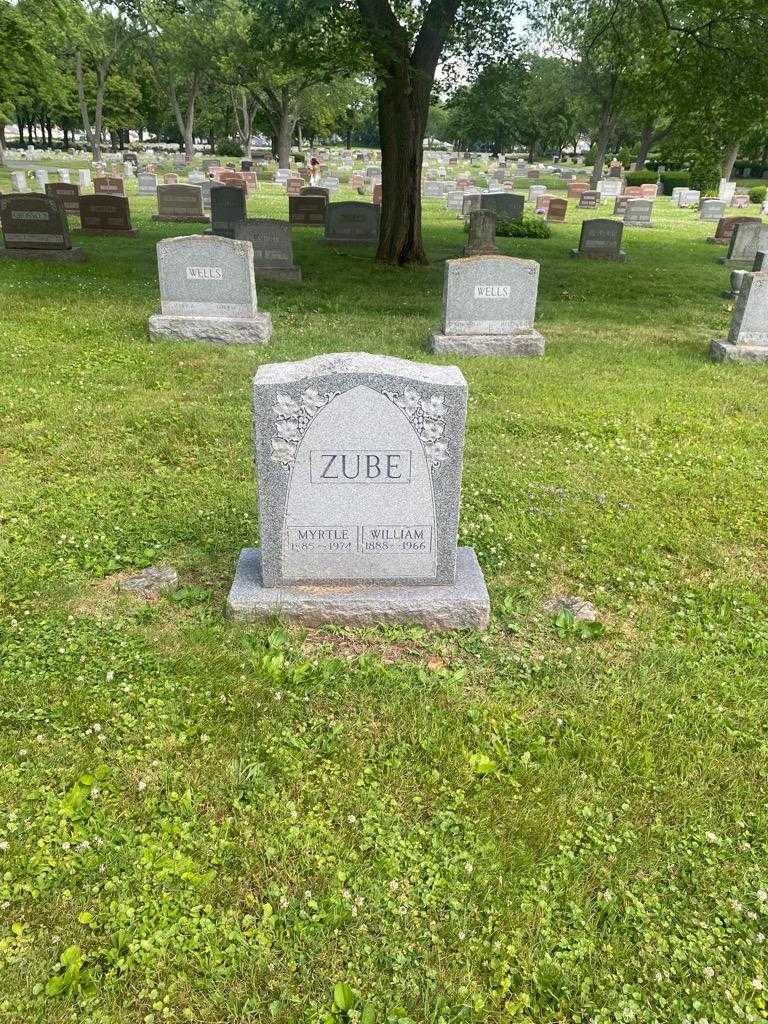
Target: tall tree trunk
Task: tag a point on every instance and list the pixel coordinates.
(185, 121)
(601, 147)
(647, 139)
(729, 159)
(2, 143)
(92, 136)
(348, 138)
(403, 111)
(20, 124)
(285, 135)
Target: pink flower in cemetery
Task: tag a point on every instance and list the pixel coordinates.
(434, 407)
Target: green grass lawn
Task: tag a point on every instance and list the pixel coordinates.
(525, 825)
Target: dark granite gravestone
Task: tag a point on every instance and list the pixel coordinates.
(589, 200)
(272, 248)
(600, 240)
(505, 206)
(35, 228)
(352, 223)
(307, 211)
(227, 209)
(67, 195)
(105, 215)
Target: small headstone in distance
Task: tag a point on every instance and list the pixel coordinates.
(507, 207)
(106, 215)
(557, 210)
(727, 225)
(601, 240)
(747, 340)
(109, 185)
(307, 211)
(489, 305)
(359, 461)
(68, 196)
(35, 227)
(208, 292)
(151, 582)
(227, 209)
(746, 241)
(272, 248)
(180, 203)
(482, 234)
(712, 210)
(352, 223)
(638, 213)
(589, 200)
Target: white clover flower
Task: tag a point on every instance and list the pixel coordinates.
(142, 785)
(709, 972)
(283, 902)
(204, 737)
(762, 895)
(469, 867)
(394, 885)
(757, 984)
(4, 844)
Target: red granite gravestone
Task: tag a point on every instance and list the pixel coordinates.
(109, 185)
(35, 228)
(727, 225)
(106, 215)
(557, 210)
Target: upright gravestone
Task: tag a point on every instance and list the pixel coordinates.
(737, 276)
(482, 234)
(147, 184)
(489, 305)
(41, 177)
(712, 210)
(746, 241)
(272, 248)
(308, 211)
(35, 228)
(67, 195)
(589, 200)
(352, 223)
(180, 203)
(638, 213)
(506, 206)
(84, 178)
(63, 173)
(470, 203)
(556, 210)
(105, 215)
(620, 205)
(747, 340)
(208, 292)
(227, 210)
(19, 181)
(109, 185)
(600, 240)
(359, 462)
(727, 225)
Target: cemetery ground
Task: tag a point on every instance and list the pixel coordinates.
(549, 822)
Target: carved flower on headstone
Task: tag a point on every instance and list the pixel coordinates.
(409, 402)
(312, 401)
(288, 429)
(282, 451)
(436, 453)
(431, 430)
(433, 407)
(285, 406)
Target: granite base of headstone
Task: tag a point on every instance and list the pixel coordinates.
(489, 305)
(359, 460)
(747, 340)
(208, 292)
